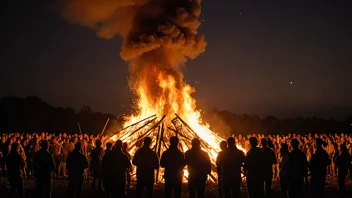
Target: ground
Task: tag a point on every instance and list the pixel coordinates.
(60, 185)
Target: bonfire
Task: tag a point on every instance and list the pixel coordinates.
(159, 37)
(160, 128)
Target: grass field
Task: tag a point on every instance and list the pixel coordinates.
(60, 186)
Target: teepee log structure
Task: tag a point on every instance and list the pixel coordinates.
(160, 132)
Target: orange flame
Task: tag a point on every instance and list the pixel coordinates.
(174, 97)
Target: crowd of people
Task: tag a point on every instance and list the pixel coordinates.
(294, 159)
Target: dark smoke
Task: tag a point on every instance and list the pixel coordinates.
(159, 35)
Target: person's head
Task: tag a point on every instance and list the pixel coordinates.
(263, 142)
(253, 141)
(318, 142)
(24, 141)
(284, 149)
(118, 145)
(78, 146)
(108, 146)
(147, 142)
(3, 139)
(15, 147)
(98, 143)
(343, 148)
(173, 142)
(294, 143)
(223, 145)
(231, 142)
(195, 143)
(75, 139)
(44, 144)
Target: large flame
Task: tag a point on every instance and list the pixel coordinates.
(159, 36)
(174, 99)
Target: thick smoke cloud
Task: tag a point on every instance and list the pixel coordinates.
(145, 25)
(159, 35)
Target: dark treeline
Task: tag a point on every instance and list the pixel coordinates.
(227, 123)
(31, 114)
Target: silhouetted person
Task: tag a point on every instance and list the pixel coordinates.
(106, 169)
(343, 163)
(146, 161)
(55, 150)
(318, 166)
(173, 160)
(254, 170)
(115, 164)
(76, 164)
(231, 162)
(199, 167)
(269, 159)
(65, 152)
(298, 170)
(108, 148)
(285, 172)
(15, 169)
(43, 166)
(128, 171)
(3, 152)
(97, 155)
(223, 147)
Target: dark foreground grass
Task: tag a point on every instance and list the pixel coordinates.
(60, 186)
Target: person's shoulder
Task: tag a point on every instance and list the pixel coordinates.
(180, 153)
(240, 152)
(301, 153)
(139, 151)
(249, 152)
(221, 153)
(204, 153)
(166, 152)
(125, 156)
(70, 154)
(188, 152)
(271, 150)
(82, 155)
(152, 152)
(10, 156)
(18, 155)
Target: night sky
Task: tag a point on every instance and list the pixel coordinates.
(268, 57)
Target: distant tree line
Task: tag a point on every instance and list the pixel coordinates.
(227, 123)
(31, 114)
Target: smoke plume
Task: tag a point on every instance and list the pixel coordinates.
(158, 37)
